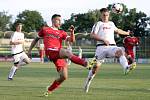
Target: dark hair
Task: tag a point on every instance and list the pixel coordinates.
(17, 24)
(104, 10)
(55, 15)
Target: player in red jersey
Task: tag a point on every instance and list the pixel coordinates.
(129, 43)
(52, 38)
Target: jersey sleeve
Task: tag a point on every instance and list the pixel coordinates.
(65, 35)
(114, 26)
(95, 28)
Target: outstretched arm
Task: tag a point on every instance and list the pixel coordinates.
(17, 42)
(120, 31)
(72, 36)
(32, 45)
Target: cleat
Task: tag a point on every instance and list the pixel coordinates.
(10, 79)
(130, 68)
(47, 93)
(90, 63)
(133, 66)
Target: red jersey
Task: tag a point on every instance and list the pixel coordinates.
(52, 38)
(130, 42)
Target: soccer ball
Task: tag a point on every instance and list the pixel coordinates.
(117, 8)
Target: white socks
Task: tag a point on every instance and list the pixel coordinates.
(123, 61)
(12, 72)
(90, 77)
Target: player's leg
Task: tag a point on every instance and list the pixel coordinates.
(100, 54)
(63, 75)
(24, 59)
(123, 60)
(75, 59)
(120, 54)
(91, 75)
(14, 67)
(130, 60)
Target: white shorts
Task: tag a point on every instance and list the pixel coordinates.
(19, 57)
(103, 52)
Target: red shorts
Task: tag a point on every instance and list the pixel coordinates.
(54, 56)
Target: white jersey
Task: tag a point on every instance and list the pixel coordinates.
(105, 31)
(15, 37)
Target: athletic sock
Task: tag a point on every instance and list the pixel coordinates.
(90, 77)
(123, 61)
(77, 60)
(12, 72)
(54, 86)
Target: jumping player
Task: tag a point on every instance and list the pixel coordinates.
(103, 33)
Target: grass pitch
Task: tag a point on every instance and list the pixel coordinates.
(109, 84)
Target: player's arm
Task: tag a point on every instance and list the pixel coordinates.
(98, 38)
(16, 42)
(120, 31)
(32, 45)
(72, 36)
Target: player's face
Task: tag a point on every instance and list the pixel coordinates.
(19, 28)
(56, 22)
(105, 16)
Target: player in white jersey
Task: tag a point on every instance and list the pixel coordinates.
(103, 33)
(20, 57)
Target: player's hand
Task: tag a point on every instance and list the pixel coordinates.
(71, 29)
(106, 42)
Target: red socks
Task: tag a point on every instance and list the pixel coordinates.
(77, 60)
(54, 86)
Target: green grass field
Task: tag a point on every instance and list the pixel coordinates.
(109, 84)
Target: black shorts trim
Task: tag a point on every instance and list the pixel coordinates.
(105, 45)
(17, 53)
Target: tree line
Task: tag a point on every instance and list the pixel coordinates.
(32, 21)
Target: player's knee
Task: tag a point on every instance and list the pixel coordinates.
(68, 53)
(27, 61)
(119, 53)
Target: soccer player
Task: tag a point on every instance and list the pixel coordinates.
(53, 38)
(103, 33)
(129, 43)
(20, 57)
